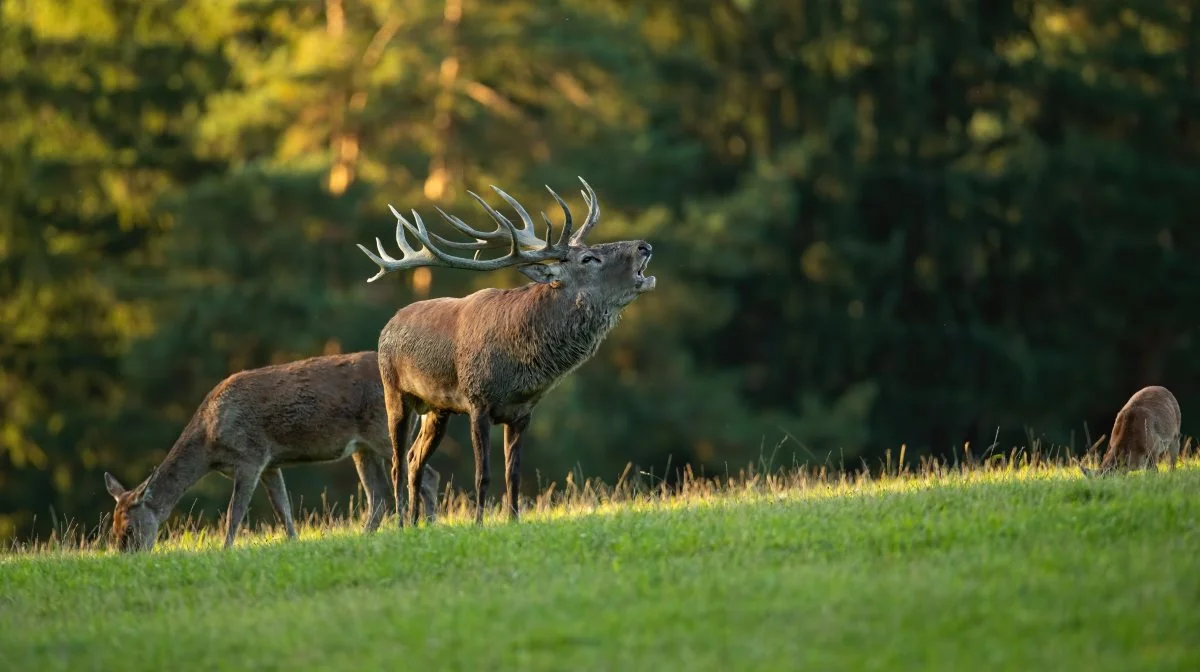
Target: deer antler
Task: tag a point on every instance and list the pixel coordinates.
(430, 255)
(593, 215)
(485, 240)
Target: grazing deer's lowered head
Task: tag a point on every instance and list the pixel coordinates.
(1146, 428)
(135, 525)
(493, 354)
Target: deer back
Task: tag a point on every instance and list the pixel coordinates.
(309, 409)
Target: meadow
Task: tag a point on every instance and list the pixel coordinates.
(1014, 563)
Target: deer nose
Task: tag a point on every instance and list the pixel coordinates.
(645, 249)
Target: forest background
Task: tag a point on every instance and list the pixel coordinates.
(876, 222)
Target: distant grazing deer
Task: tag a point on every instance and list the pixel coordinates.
(252, 423)
(1146, 428)
(493, 354)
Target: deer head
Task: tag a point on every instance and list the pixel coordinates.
(135, 524)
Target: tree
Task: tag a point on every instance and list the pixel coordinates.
(96, 100)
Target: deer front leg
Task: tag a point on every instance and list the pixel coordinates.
(429, 494)
(373, 473)
(244, 482)
(513, 433)
(1149, 461)
(272, 479)
(481, 441)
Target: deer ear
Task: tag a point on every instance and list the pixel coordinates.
(114, 486)
(543, 273)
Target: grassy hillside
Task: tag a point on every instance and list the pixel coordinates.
(1007, 568)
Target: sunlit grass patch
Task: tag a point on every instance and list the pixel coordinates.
(632, 493)
(1002, 564)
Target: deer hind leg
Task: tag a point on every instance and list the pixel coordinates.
(245, 479)
(481, 441)
(1173, 451)
(272, 480)
(433, 428)
(513, 432)
(373, 473)
(397, 419)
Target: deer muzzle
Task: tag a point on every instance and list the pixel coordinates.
(644, 283)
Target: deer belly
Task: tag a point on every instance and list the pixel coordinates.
(431, 398)
(330, 450)
(516, 407)
(435, 384)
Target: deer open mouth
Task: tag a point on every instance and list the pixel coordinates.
(644, 282)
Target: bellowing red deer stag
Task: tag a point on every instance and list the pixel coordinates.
(1146, 428)
(492, 355)
(319, 409)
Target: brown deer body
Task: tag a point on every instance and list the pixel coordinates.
(492, 355)
(319, 409)
(1146, 428)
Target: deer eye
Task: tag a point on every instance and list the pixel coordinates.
(590, 259)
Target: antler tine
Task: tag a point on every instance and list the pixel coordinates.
(409, 258)
(483, 239)
(549, 231)
(458, 244)
(384, 261)
(564, 237)
(500, 219)
(468, 229)
(525, 235)
(527, 232)
(383, 267)
(401, 239)
(549, 228)
(593, 215)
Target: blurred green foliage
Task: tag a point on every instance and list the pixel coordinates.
(876, 221)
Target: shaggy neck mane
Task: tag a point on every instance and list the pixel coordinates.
(556, 329)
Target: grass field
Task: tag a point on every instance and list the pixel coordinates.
(1012, 567)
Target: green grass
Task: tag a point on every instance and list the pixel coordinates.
(1011, 567)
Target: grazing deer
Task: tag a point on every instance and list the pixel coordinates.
(492, 355)
(319, 409)
(1145, 428)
